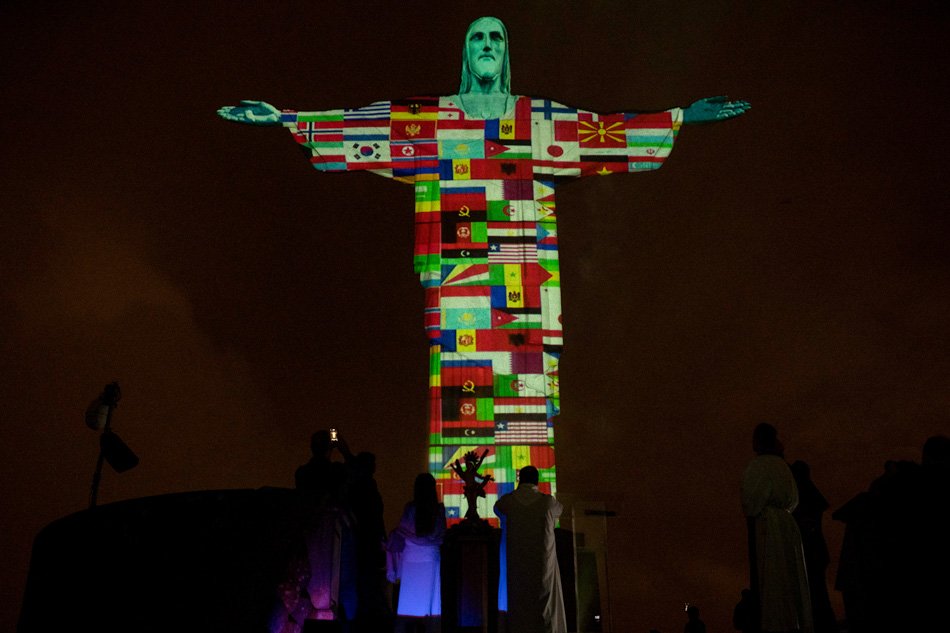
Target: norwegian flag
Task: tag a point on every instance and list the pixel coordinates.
(319, 132)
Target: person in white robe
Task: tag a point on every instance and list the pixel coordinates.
(533, 598)
(769, 495)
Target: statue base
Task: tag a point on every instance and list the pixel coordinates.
(470, 578)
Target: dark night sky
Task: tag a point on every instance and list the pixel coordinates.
(790, 266)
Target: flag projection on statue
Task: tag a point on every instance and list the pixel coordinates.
(486, 251)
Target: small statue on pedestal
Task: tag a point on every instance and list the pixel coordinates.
(474, 483)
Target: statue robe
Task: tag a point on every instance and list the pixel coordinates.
(486, 254)
(530, 584)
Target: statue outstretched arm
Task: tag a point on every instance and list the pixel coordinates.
(251, 113)
(322, 133)
(712, 109)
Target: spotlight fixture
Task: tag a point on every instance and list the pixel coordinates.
(111, 447)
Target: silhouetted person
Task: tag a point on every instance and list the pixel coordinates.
(934, 574)
(745, 615)
(339, 503)
(422, 527)
(895, 553)
(936, 452)
(861, 577)
(693, 623)
(811, 508)
(328, 530)
(533, 599)
(769, 495)
(313, 478)
(366, 505)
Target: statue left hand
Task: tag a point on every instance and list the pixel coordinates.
(713, 109)
(251, 112)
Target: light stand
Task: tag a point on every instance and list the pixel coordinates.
(111, 448)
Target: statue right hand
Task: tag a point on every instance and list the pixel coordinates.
(251, 112)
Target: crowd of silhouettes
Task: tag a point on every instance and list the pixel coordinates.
(895, 556)
(892, 571)
(337, 569)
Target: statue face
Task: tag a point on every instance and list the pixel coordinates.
(486, 48)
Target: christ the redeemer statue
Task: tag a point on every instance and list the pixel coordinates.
(485, 164)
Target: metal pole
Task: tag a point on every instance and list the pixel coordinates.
(109, 398)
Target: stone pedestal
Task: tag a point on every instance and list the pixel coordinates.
(470, 578)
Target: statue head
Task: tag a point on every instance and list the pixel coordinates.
(485, 55)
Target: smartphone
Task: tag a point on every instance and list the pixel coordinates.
(333, 437)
